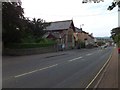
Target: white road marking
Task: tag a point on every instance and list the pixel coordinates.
(89, 54)
(75, 59)
(44, 68)
(34, 71)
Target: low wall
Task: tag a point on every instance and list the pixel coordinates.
(29, 51)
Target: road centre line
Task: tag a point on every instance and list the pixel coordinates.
(75, 59)
(35, 71)
(44, 68)
(89, 54)
(47, 67)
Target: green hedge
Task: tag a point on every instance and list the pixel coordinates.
(28, 45)
(80, 44)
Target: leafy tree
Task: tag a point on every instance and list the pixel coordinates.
(38, 27)
(114, 4)
(115, 34)
(33, 29)
(16, 27)
(12, 17)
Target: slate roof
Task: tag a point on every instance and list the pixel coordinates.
(78, 30)
(59, 25)
(56, 35)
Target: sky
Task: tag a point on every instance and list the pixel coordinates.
(93, 18)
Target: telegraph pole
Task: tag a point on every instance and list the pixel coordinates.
(118, 1)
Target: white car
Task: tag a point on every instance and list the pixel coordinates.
(104, 46)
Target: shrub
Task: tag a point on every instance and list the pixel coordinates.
(28, 45)
(28, 39)
(81, 44)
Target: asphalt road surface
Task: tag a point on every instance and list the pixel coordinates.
(66, 69)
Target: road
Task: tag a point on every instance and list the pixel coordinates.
(66, 69)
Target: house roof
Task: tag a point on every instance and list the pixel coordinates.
(59, 25)
(78, 30)
(91, 36)
(56, 35)
(84, 32)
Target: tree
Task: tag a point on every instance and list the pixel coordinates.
(115, 34)
(16, 27)
(12, 17)
(38, 27)
(114, 4)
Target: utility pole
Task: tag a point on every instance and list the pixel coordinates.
(118, 1)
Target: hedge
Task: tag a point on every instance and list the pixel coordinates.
(28, 45)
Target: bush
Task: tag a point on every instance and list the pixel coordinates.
(28, 45)
(81, 44)
(28, 39)
(30, 42)
(100, 43)
(90, 46)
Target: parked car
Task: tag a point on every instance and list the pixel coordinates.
(96, 46)
(104, 46)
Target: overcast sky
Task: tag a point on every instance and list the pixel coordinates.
(95, 18)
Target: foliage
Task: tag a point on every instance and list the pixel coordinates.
(28, 39)
(89, 46)
(115, 34)
(12, 15)
(114, 4)
(17, 28)
(117, 38)
(28, 45)
(42, 43)
(100, 43)
(80, 44)
(38, 27)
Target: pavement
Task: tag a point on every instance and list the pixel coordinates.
(109, 77)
